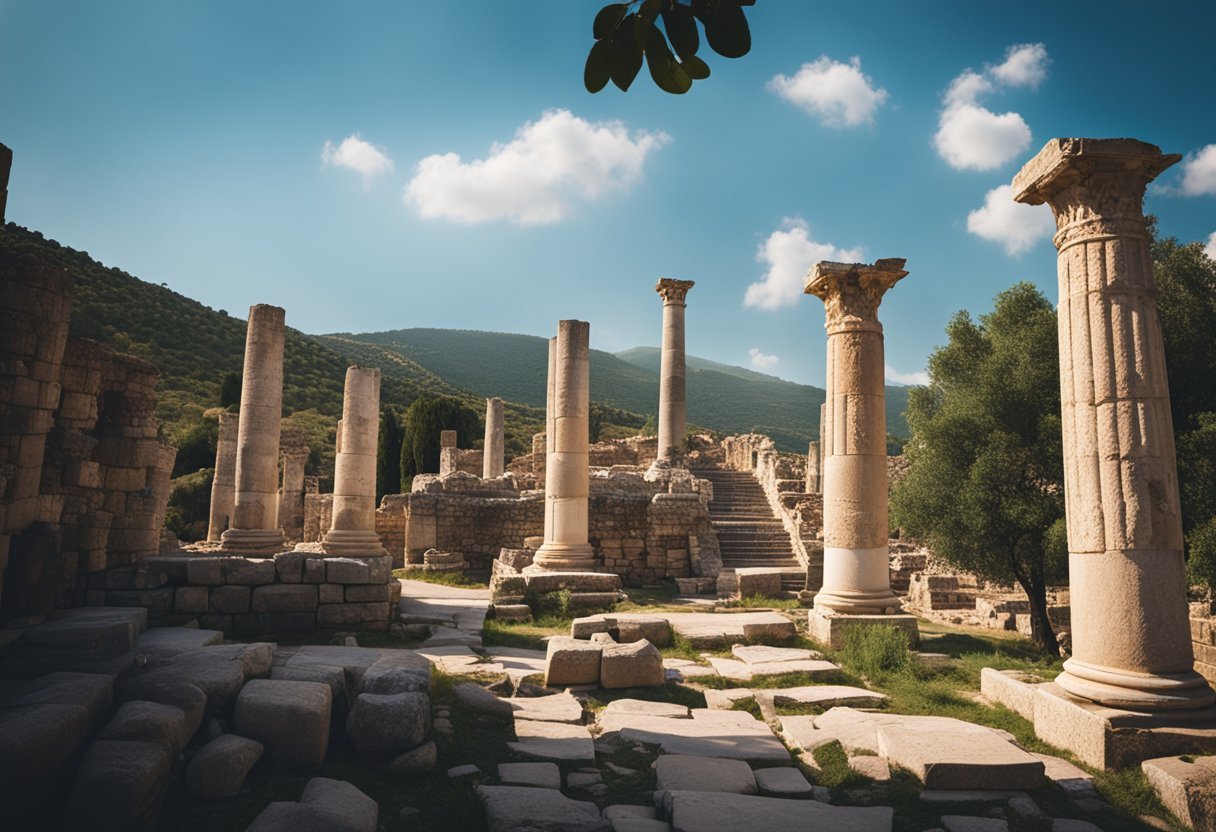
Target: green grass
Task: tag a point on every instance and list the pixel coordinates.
(417, 573)
(761, 602)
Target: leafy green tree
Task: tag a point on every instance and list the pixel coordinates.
(230, 391)
(422, 424)
(195, 444)
(388, 453)
(984, 488)
(625, 33)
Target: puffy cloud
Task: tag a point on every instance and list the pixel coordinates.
(1199, 173)
(839, 94)
(1015, 226)
(760, 360)
(1210, 248)
(1025, 65)
(790, 252)
(355, 154)
(536, 177)
(972, 137)
(919, 377)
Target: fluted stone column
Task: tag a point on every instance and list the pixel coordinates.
(353, 527)
(824, 447)
(672, 401)
(291, 496)
(447, 452)
(566, 547)
(492, 456)
(856, 577)
(1130, 635)
(812, 468)
(223, 483)
(255, 523)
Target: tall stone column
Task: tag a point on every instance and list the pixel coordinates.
(223, 483)
(812, 468)
(492, 456)
(255, 523)
(353, 527)
(856, 574)
(291, 496)
(447, 452)
(824, 447)
(566, 547)
(1130, 635)
(672, 401)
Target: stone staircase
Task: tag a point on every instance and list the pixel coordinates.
(749, 534)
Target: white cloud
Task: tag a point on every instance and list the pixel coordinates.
(1016, 227)
(355, 154)
(1025, 65)
(839, 94)
(1210, 248)
(790, 252)
(972, 137)
(919, 377)
(760, 360)
(1199, 173)
(534, 178)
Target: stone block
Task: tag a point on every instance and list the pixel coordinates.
(204, 570)
(314, 570)
(284, 598)
(584, 628)
(191, 599)
(229, 599)
(783, 781)
(1015, 689)
(829, 629)
(289, 567)
(511, 808)
(582, 601)
(704, 774)
(347, 571)
(273, 623)
(950, 754)
(362, 593)
(291, 719)
(383, 726)
(334, 615)
(218, 769)
(571, 661)
(637, 628)
(120, 785)
(693, 811)
(538, 775)
(542, 582)
(556, 741)
(758, 581)
(637, 664)
(1187, 787)
(332, 593)
(248, 571)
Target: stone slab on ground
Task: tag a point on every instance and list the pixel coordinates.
(782, 781)
(706, 774)
(537, 775)
(325, 806)
(724, 700)
(739, 736)
(680, 670)
(670, 710)
(517, 662)
(218, 769)
(382, 727)
(559, 707)
(455, 659)
(705, 629)
(570, 661)
(120, 785)
(632, 665)
(85, 639)
(951, 754)
(825, 696)
(733, 669)
(955, 797)
(830, 629)
(1187, 787)
(763, 654)
(476, 698)
(291, 719)
(721, 812)
(164, 642)
(1015, 689)
(553, 741)
(640, 825)
(627, 810)
(872, 768)
(969, 823)
(522, 809)
(1074, 781)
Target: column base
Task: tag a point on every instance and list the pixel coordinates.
(352, 543)
(253, 542)
(858, 602)
(828, 627)
(564, 557)
(1136, 691)
(1113, 738)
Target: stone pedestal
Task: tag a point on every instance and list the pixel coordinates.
(1130, 635)
(447, 452)
(492, 456)
(353, 528)
(856, 578)
(223, 483)
(255, 523)
(672, 403)
(566, 547)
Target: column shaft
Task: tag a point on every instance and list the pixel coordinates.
(223, 483)
(492, 456)
(672, 399)
(353, 527)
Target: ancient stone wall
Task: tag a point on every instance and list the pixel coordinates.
(636, 451)
(84, 479)
(390, 521)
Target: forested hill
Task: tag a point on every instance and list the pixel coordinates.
(720, 397)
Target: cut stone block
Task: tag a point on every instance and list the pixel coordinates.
(326, 806)
(732, 669)
(39, 745)
(570, 661)
(166, 642)
(640, 825)
(739, 736)
(416, 760)
(966, 823)
(633, 665)
(655, 630)
(560, 707)
(476, 698)
(625, 810)
(384, 726)
(706, 774)
(120, 785)
(782, 781)
(291, 719)
(951, 754)
(762, 654)
(1075, 782)
(1015, 689)
(825, 696)
(721, 812)
(586, 627)
(759, 581)
(553, 741)
(830, 629)
(724, 700)
(150, 722)
(1187, 787)
(538, 775)
(522, 809)
(218, 769)
(642, 706)
(872, 768)
(714, 629)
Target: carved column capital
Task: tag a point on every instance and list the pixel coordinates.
(672, 290)
(851, 292)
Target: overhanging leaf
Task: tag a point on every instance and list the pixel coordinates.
(597, 72)
(726, 29)
(606, 20)
(696, 68)
(681, 30)
(664, 69)
(626, 56)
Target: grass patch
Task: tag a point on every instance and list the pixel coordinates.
(529, 635)
(762, 602)
(417, 573)
(669, 692)
(875, 652)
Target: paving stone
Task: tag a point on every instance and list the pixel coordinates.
(120, 785)
(782, 781)
(1187, 787)
(218, 769)
(681, 669)
(873, 768)
(966, 823)
(632, 665)
(92, 691)
(558, 707)
(553, 741)
(724, 700)
(522, 809)
(704, 629)
(733, 669)
(825, 696)
(722, 812)
(467, 770)
(708, 774)
(740, 737)
(165, 642)
(625, 810)
(570, 661)
(949, 797)
(642, 706)
(150, 722)
(1076, 782)
(583, 779)
(476, 698)
(383, 726)
(538, 775)
(291, 719)
(762, 654)
(39, 745)
(957, 755)
(637, 628)
(640, 825)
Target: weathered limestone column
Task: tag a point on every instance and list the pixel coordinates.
(223, 483)
(447, 452)
(353, 527)
(856, 576)
(672, 402)
(812, 468)
(291, 496)
(1130, 635)
(255, 523)
(492, 456)
(566, 547)
(824, 447)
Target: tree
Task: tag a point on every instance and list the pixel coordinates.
(422, 423)
(230, 391)
(388, 453)
(984, 487)
(625, 32)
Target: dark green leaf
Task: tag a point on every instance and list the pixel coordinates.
(626, 57)
(664, 69)
(597, 72)
(726, 29)
(606, 20)
(696, 68)
(681, 30)
(649, 10)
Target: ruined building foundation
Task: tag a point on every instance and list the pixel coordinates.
(672, 401)
(353, 529)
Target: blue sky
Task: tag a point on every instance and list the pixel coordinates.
(486, 189)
